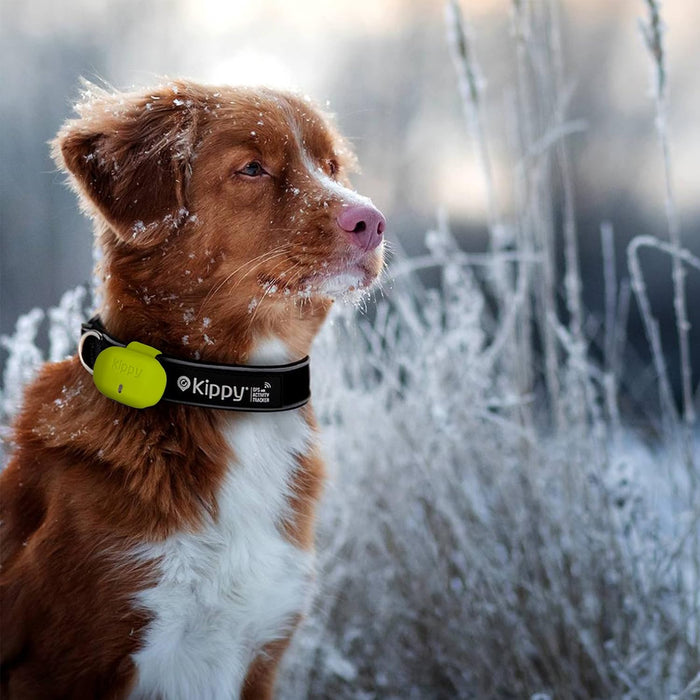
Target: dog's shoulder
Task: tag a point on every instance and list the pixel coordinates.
(26, 481)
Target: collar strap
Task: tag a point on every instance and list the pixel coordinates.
(193, 383)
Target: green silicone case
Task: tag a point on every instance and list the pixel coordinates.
(130, 375)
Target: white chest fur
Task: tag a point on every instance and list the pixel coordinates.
(236, 584)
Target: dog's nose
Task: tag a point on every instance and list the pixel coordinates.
(365, 223)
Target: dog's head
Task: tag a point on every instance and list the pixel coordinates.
(220, 196)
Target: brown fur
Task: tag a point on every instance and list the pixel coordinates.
(190, 248)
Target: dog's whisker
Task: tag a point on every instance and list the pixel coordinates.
(258, 305)
(256, 261)
(270, 287)
(248, 267)
(253, 265)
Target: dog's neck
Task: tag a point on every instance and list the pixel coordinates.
(276, 333)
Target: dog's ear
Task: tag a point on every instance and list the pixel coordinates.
(129, 157)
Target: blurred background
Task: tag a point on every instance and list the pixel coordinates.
(384, 69)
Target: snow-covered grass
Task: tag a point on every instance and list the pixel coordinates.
(470, 552)
(23, 351)
(491, 528)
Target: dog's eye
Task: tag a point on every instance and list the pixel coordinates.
(333, 167)
(252, 169)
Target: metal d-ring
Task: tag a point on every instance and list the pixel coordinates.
(81, 342)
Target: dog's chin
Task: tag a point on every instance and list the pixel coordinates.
(351, 281)
(349, 286)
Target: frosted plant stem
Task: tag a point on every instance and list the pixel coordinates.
(523, 241)
(508, 322)
(586, 370)
(692, 690)
(651, 325)
(653, 38)
(470, 89)
(611, 303)
(621, 318)
(572, 273)
(572, 267)
(610, 277)
(533, 220)
(408, 266)
(470, 92)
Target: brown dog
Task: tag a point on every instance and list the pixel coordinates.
(167, 552)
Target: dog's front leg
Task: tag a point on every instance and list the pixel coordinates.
(259, 683)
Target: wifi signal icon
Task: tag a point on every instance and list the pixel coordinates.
(268, 385)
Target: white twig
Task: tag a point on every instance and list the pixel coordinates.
(652, 32)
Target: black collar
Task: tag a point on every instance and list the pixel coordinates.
(228, 387)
